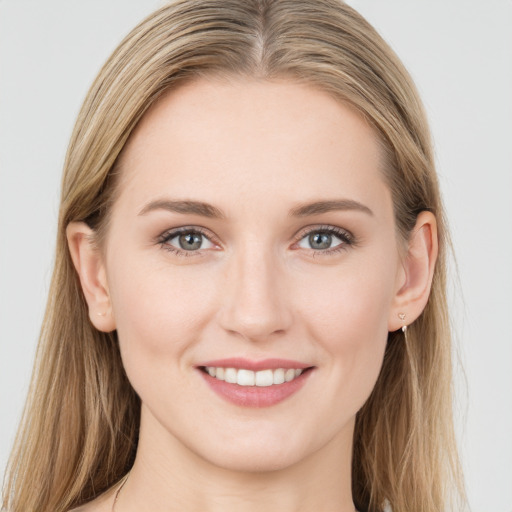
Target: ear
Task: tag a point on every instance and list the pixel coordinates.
(90, 266)
(418, 265)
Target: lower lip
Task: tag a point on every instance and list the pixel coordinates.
(255, 396)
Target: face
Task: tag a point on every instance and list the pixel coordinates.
(252, 238)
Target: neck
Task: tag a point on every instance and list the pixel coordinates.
(167, 476)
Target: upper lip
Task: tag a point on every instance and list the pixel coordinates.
(248, 364)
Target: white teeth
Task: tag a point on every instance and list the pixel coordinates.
(289, 375)
(260, 378)
(245, 378)
(278, 376)
(230, 375)
(264, 378)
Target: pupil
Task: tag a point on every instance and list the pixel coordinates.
(190, 241)
(320, 240)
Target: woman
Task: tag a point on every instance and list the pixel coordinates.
(248, 306)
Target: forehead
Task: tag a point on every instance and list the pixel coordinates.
(244, 138)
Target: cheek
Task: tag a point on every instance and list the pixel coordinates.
(348, 317)
(159, 312)
(352, 304)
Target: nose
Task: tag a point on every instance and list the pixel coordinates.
(256, 305)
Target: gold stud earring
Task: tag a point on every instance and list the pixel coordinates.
(101, 314)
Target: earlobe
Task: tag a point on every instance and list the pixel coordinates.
(418, 268)
(89, 264)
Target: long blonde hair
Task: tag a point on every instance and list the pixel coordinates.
(79, 430)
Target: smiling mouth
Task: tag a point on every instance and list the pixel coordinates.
(261, 378)
(249, 383)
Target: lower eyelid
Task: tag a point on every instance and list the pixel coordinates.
(181, 252)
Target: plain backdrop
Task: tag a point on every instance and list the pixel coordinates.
(460, 54)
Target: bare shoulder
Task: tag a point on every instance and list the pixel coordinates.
(91, 507)
(102, 503)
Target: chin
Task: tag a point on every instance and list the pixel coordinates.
(260, 460)
(258, 452)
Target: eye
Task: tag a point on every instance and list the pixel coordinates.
(326, 239)
(185, 241)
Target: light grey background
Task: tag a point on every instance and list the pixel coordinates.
(460, 54)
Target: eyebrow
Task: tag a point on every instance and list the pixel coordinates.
(191, 207)
(318, 207)
(212, 212)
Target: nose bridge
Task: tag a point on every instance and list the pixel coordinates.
(256, 304)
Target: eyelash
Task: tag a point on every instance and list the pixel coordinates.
(169, 235)
(347, 240)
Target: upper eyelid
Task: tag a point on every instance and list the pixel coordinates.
(322, 227)
(302, 233)
(171, 233)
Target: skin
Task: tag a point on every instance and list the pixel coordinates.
(256, 288)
